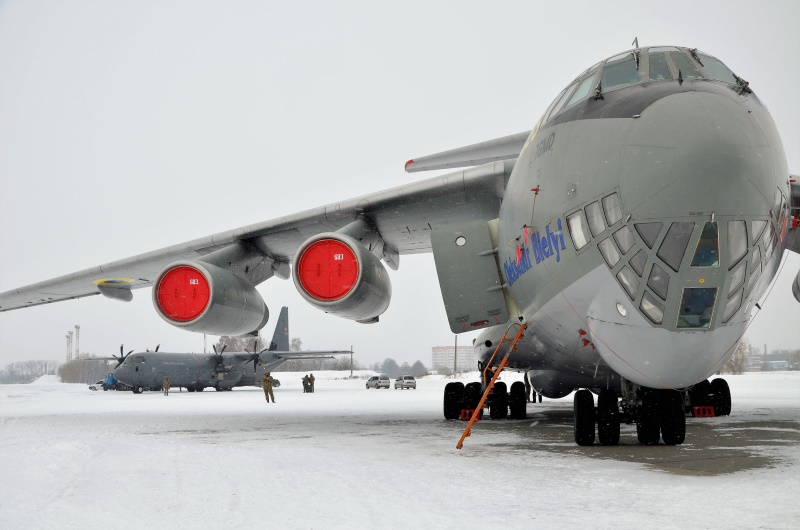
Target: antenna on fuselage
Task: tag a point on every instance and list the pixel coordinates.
(635, 42)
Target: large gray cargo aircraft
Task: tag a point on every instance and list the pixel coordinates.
(633, 231)
(221, 371)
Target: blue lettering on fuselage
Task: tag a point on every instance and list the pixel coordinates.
(543, 246)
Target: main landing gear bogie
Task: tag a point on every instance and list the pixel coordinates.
(502, 403)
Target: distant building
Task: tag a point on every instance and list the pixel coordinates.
(442, 357)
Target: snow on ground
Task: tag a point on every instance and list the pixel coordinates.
(47, 380)
(347, 457)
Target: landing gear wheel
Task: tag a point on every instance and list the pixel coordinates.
(540, 397)
(516, 401)
(608, 418)
(498, 407)
(200, 388)
(673, 418)
(722, 397)
(647, 422)
(700, 395)
(138, 390)
(453, 396)
(583, 417)
(190, 389)
(472, 396)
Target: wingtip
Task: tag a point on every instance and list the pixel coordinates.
(410, 162)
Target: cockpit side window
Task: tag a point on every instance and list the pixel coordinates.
(688, 71)
(581, 92)
(557, 107)
(716, 70)
(697, 306)
(659, 70)
(620, 74)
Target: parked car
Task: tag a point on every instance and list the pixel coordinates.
(406, 381)
(378, 381)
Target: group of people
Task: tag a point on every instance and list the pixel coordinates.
(308, 384)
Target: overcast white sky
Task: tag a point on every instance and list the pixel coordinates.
(130, 126)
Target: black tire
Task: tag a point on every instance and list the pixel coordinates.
(673, 418)
(472, 396)
(648, 424)
(722, 397)
(516, 401)
(200, 388)
(608, 418)
(498, 407)
(138, 389)
(453, 396)
(700, 394)
(583, 417)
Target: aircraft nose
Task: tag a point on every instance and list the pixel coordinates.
(694, 153)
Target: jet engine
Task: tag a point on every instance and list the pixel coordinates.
(550, 384)
(337, 274)
(208, 299)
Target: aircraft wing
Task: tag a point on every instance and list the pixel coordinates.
(403, 217)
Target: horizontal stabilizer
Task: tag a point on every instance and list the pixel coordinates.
(505, 148)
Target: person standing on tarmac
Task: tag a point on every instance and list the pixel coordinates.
(165, 385)
(311, 383)
(266, 382)
(306, 389)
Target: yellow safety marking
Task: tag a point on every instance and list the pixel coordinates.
(112, 282)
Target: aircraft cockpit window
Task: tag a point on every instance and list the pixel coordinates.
(753, 278)
(624, 239)
(755, 259)
(621, 74)
(737, 242)
(716, 70)
(612, 208)
(557, 107)
(652, 308)
(732, 306)
(770, 245)
(595, 217)
(578, 230)
(688, 71)
(707, 252)
(581, 92)
(609, 252)
(546, 115)
(659, 70)
(629, 281)
(697, 306)
(674, 245)
(648, 232)
(638, 262)
(658, 281)
(737, 279)
(757, 228)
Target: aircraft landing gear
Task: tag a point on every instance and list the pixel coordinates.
(608, 417)
(453, 396)
(715, 394)
(583, 417)
(661, 415)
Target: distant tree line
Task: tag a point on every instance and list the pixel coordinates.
(390, 367)
(27, 371)
(85, 371)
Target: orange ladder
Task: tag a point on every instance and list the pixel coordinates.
(490, 385)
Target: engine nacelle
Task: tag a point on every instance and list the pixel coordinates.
(796, 287)
(337, 274)
(204, 298)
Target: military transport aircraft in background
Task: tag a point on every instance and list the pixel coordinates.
(221, 371)
(633, 232)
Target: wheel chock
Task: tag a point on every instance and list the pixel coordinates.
(703, 412)
(466, 414)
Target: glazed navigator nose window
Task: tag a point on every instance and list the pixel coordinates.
(697, 308)
(707, 252)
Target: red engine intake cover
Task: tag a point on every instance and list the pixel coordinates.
(328, 270)
(183, 293)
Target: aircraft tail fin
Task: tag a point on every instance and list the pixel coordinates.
(280, 339)
(504, 148)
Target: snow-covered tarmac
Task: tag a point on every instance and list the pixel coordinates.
(346, 457)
